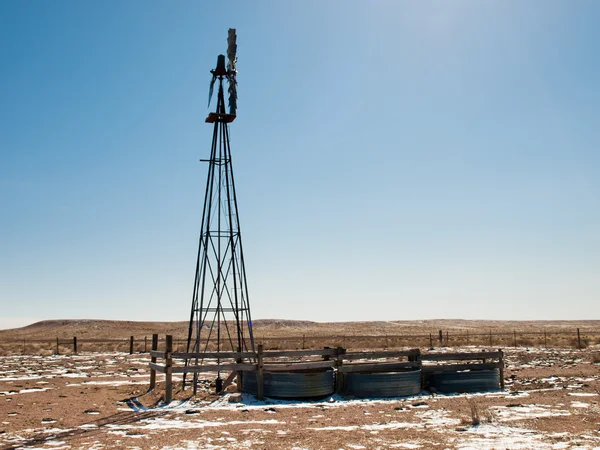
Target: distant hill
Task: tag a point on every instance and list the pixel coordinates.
(106, 329)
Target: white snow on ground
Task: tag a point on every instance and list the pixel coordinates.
(484, 437)
(107, 383)
(579, 405)
(498, 434)
(170, 424)
(506, 414)
(369, 427)
(25, 391)
(250, 402)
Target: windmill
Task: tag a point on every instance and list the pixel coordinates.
(220, 315)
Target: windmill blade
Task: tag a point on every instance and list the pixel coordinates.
(232, 51)
(232, 96)
(211, 89)
(232, 69)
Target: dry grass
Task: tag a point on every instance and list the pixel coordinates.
(105, 335)
(477, 414)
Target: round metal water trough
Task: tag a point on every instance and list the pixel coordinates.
(382, 384)
(291, 384)
(472, 381)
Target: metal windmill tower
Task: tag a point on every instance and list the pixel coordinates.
(220, 316)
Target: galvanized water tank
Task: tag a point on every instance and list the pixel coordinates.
(291, 384)
(470, 381)
(382, 384)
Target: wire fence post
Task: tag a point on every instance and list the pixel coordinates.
(578, 339)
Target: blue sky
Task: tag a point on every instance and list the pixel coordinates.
(394, 160)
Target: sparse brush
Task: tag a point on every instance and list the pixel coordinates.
(585, 342)
(478, 415)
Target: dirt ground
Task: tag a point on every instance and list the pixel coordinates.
(99, 401)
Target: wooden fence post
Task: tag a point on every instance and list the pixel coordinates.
(57, 352)
(339, 377)
(75, 344)
(145, 344)
(467, 337)
(238, 378)
(168, 369)
(447, 338)
(501, 369)
(515, 338)
(131, 345)
(303, 341)
(259, 373)
(430, 341)
(578, 339)
(490, 338)
(545, 342)
(441, 338)
(153, 360)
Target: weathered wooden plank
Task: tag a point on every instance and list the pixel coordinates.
(157, 367)
(458, 367)
(300, 353)
(157, 354)
(292, 367)
(168, 369)
(378, 367)
(459, 356)
(382, 354)
(260, 373)
(229, 380)
(153, 361)
(501, 368)
(214, 368)
(213, 355)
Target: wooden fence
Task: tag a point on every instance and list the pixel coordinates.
(295, 360)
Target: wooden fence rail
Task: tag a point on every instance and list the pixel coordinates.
(330, 358)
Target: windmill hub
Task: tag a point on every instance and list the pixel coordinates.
(221, 70)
